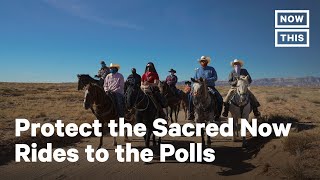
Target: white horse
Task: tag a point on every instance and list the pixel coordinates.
(204, 104)
(240, 106)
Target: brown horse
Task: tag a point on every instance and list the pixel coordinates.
(173, 100)
(105, 108)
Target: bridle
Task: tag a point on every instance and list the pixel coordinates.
(137, 102)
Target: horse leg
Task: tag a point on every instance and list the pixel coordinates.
(126, 139)
(177, 113)
(244, 142)
(159, 141)
(186, 111)
(171, 110)
(147, 139)
(154, 140)
(234, 129)
(101, 138)
(208, 140)
(202, 137)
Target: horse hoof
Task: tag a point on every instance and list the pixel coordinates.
(244, 145)
(209, 144)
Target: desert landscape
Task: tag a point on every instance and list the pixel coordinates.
(294, 157)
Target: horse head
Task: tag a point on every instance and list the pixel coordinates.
(242, 87)
(84, 80)
(94, 94)
(199, 87)
(131, 95)
(89, 96)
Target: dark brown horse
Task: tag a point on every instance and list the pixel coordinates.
(105, 108)
(173, 100)
(145, 108)
(184, 103)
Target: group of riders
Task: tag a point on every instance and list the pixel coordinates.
(113, 81)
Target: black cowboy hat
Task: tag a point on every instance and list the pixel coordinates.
(172, 70)
(187, 82)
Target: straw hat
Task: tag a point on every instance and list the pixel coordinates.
(236, 61)
(114, 65)
(205, 58)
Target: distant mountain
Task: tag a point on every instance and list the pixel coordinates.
(301, 81)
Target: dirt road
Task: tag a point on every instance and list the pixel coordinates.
(232, 161)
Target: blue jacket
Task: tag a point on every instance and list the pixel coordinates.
(208, 73)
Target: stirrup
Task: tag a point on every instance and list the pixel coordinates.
(225, 113)
(257, 113)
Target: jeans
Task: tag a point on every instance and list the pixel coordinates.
(120, 104)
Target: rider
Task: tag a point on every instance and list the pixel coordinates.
(103, 71)
(233, 76)
(210, 74)
(133, 79)
(114, 83)
(150, 82)
(172, 80)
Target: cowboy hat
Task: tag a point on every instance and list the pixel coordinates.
(172, 70)
(205, 58)
(187, 82)
(114, 65)
(236, 61)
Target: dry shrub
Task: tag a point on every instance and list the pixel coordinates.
(276, 98)
(306, 148)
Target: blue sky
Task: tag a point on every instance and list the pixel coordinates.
(53, 40)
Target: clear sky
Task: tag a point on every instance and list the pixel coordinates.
(53, 40)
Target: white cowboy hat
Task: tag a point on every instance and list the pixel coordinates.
(205, 58)
(236, 61)
(114, 65)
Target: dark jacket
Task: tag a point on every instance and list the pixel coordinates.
(172, 80)
(135, 79)
(233, 75)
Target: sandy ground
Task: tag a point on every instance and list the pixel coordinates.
(232, 161)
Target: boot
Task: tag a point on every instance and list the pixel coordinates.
(226, 110)
(162, 114)
(256, 112)
(190, 116)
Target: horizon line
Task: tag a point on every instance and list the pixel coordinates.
(66, 82)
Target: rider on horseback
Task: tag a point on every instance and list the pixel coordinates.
(233, 77)
(133, 79)
(172, 80)
(114, 83)
(210, 74)
(149, 84)
(103, 71)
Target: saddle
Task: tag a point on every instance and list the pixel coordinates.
(233, 101)
(213, 101)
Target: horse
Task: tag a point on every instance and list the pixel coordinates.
(204, 105)
(145, 110)
(85, 79)
(240, 106)
(184, 104)
(173, 100)
(105, 107)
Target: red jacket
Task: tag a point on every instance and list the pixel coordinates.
(149, 77)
